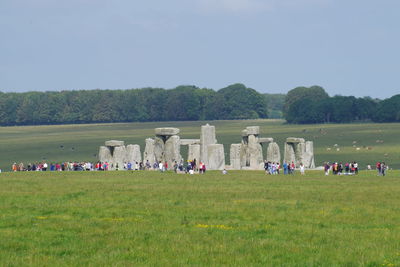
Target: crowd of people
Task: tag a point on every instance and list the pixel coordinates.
(352, 168)
(348, 168)
(191, 167)
(43, 166)
(381, 168)
(274, 168)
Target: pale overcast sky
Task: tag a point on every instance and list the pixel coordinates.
(349, 47)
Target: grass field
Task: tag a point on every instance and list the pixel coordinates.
(375, 142)
(165, 219)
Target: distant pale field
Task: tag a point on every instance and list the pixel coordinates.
(165, 219)
(365, 143)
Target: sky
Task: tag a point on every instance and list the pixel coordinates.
(348, 47)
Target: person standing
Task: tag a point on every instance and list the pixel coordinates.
(266, 166)
(327, 167)
(285, 168)
(378, 168)
(292, 168)
(301, 168)
(383, 168)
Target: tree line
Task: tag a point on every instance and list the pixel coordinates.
(314, 105)
(148, 104)
(189, 103)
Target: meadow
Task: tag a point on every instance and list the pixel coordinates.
(166, 219)
(366, 143)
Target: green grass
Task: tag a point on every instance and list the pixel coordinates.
(241, 219)
(81, 142)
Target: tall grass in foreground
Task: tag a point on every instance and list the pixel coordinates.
(165, 219)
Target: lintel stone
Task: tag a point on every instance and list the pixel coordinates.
(295, 140)
(114, 143)
(186, 142)
(167, 131)
(266, 140)
(253, 130)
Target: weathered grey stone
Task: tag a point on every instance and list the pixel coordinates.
(159, 148)
(253, 130)
(105, 154)
(172, 151)
(114, 143)
(289, 153)
(186, 142)
(167, 131)
(235, 156)
(216, 157)
(119, 158)
(244, 155)
(133, 154)
(207, 138)
(273, 152)
(148, 154)
(254, 153)
(309, 155)
(265, 140)
(299, 150)
(295, 140)
(194, 152)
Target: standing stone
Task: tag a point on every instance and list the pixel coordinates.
(216, 157)
(105, 154)
(254, 152)
(133, 154)
(235, 156)
(172, 150)
(244, 155)
(148, 154)
(119, 158)
(289, 153)
(273, 153)
(207, 138)
(194, 152)
(300, 149)
(159, 148)
(309, 155)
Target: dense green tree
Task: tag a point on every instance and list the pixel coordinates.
(365, 108)
(182, 104)
(311, 99)
(388, 110)
(239, 102)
